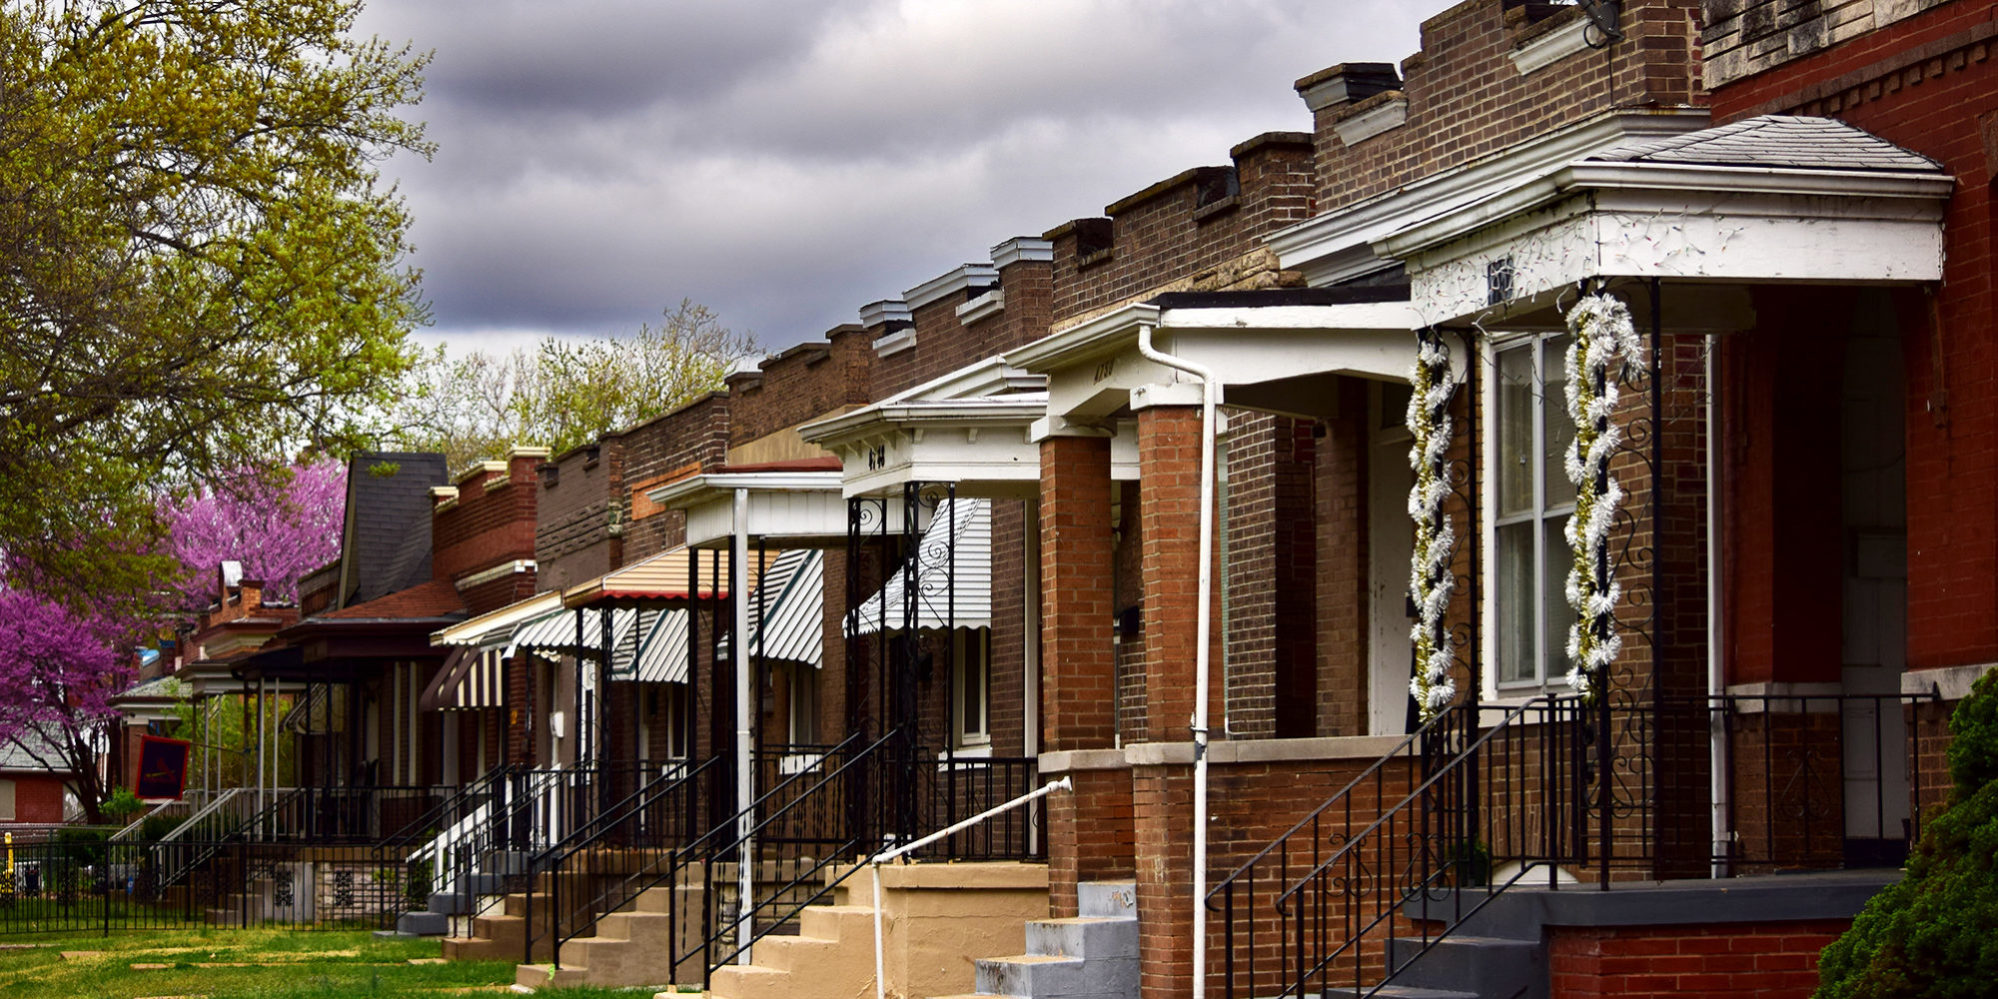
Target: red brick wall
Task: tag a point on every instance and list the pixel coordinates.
(1272, 645)
(1007, 720)
(1926, 83)
(1340, 518)
(809, 380)
(488, 527)
(1466, 100)
(1767, 960)
(1090, 836)
(37, 797)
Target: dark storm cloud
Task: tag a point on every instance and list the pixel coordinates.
(786, 162)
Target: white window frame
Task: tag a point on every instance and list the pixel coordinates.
(1550, 655)
(971, 661)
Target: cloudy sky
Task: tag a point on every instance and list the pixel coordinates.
(786, 162)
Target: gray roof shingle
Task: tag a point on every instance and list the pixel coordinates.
(1781, 141)
(388, 504)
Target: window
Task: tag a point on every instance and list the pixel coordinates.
(1532, 499)
(6, 801)
(971, 686)
(804, 683)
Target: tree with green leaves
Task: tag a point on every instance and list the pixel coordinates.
(200, 268)
(472, 405)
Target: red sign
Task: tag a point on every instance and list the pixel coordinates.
(162, 767)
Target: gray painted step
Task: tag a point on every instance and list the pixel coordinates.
(1494, 967)
(1401, 992)
(1090, 956)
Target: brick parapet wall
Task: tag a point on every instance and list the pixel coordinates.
(1745, 37)
(1186, 233)
(578, 529)
(687, 441)
(490, 525)
(1465, 98)
(804, 382)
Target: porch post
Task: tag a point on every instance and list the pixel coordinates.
(745, 790)
(1089, 832)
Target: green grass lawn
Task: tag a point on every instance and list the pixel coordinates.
(247, 964)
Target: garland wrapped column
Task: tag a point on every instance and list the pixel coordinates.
(1604, 342)
(1430, 579)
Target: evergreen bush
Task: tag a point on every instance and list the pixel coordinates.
(1935, 933)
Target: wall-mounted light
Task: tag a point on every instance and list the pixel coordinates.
(1603, 16)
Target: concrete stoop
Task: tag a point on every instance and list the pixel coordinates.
(831, 957)
(501, 935)
(628, 948)
(1093, 955)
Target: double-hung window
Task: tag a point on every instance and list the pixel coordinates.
(1532, 499)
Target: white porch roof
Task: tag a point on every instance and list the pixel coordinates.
(788, 507)
(1773, 199)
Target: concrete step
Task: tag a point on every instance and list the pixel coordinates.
(1082, 936)
(1107, 899)
(1499, 966)
(1032, 975)
(752, 981)
(423, 924)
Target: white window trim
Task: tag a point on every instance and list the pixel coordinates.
(1488, 349)
(964, 641)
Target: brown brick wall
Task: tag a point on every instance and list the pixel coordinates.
(688, 440)
(1466, 99)
(1169, 482)
(1007, 723)
(809, 380)
(1340, 516)
(1170, 237)
(582, 496)
(487, 528)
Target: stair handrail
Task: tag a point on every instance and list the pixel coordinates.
(1064, 783)
(554, 859)
(1553, 705)
(1426, 730)
(193, 799)
(748, 917)
(451, 804)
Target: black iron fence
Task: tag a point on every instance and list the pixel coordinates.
(81, 887)
(1564, 794)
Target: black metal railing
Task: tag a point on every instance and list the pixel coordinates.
(111, 886)
(1556, 790)
(607, 861)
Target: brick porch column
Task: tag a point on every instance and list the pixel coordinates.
(1089, 830)
(1169, 501)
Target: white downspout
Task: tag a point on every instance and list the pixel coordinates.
(744, 785)
(1718, 765)
(1209, 397)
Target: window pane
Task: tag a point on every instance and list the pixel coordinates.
(1560, 428)
(1515, 431)
(1560, 560)
(1514, 605)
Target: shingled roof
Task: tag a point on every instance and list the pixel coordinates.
(387, 532)
(1776, 141)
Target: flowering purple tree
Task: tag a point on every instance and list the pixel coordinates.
(280, 527)
(58, 669)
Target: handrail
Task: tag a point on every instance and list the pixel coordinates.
(1373, 770)
(613, 820)
(747, 916)
(1420, 791)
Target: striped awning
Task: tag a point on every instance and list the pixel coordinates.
(556, 631)
(792, 601)
(660, 653)
(469, 680)
(953, 576)
(663, 578)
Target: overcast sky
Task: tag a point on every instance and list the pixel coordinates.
(786, 162)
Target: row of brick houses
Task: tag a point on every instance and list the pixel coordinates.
(903, 573)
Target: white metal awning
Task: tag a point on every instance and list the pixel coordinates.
(659, 655)
(792, 601)
(470, 679)
(556, 631)
(953, 576)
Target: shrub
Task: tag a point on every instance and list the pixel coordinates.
(1935, 933)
